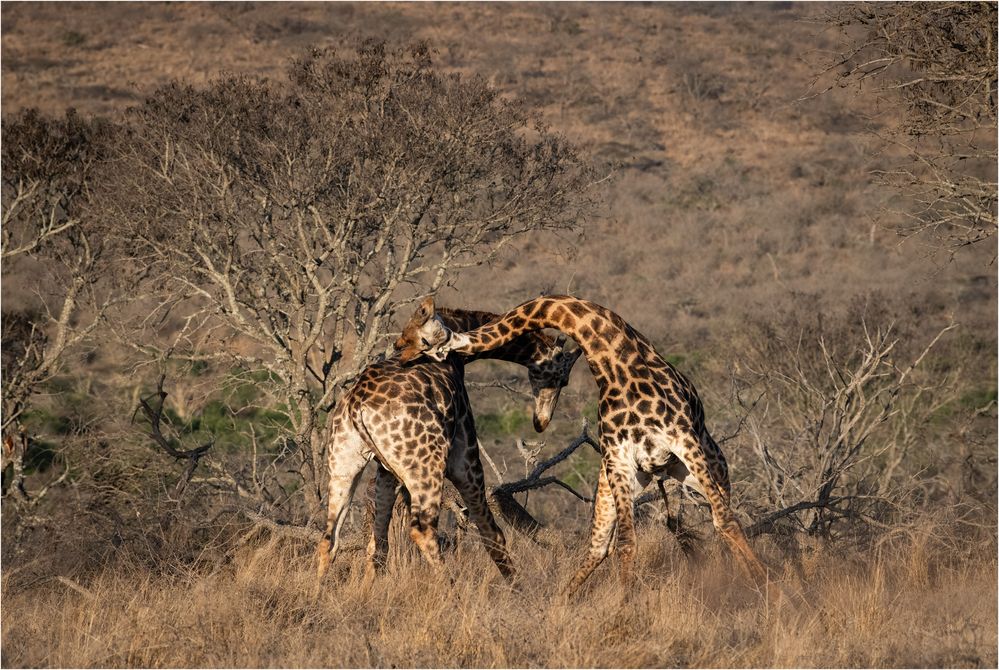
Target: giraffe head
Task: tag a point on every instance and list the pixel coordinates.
(424, 331)
(546, 359)
(548, 377)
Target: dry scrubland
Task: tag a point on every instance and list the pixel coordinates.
(741, 224)
(909, 603)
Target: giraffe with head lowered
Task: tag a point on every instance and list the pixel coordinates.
(651, 420)
(415, 420)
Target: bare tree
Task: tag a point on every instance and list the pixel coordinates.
(282, 224)
(845, 408)
(48, 233)
(935, 63)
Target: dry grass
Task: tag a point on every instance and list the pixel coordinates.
(910, 606)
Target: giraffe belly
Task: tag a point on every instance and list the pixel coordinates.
(659, 453)
(674, 457)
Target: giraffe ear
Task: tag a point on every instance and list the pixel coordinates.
(573, 356)
(427, 307)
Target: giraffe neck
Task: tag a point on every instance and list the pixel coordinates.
(525, 349)
(603, 336)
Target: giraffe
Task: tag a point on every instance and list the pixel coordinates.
(650, 416)
(415, 420)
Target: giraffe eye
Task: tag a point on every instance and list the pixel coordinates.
(425, 342)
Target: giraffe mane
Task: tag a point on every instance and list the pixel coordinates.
(461, 320)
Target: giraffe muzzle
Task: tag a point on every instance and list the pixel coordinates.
(544, 407)
(541, 422)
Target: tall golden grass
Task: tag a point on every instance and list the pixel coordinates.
(913, 602)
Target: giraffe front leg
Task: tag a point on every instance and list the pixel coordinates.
(601, 529)
(622, 478)
(466, 474)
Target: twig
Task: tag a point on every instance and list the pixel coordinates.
(534, 479)
(283, 529)
(75, 586)
(515, 513)
(489, 460)
(766, 524)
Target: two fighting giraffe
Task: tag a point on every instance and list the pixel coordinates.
(651, 419)
(415, 421)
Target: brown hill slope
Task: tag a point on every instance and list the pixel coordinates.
(730, 194)
(729, 191)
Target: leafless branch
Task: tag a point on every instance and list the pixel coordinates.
(935, 63)
(515, 513)
(152, 407)
(849, 412)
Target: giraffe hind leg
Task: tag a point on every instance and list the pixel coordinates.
(685, 537)
(381, 500)
(345, 468)
(702, 479)
(425, 504)
(735, 536)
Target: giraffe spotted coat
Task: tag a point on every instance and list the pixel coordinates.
(414, 419)
(651, 419)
